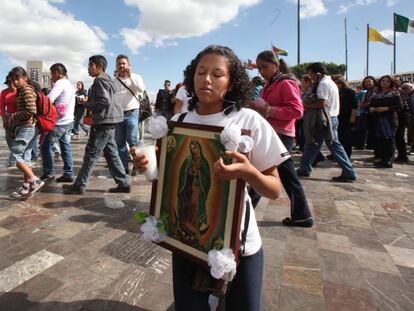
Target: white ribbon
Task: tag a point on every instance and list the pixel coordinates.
(222, 264)
(150, 231)
(158, 127)
(232, 139)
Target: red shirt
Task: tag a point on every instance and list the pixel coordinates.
(7, 102)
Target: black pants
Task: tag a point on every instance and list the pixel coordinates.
(299, 208)
(344, 136)
(400, 140)
(386, 150)
(245, 293)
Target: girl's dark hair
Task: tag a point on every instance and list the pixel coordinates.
(83, 86)
(239, 95)
(256, 81)
(18, 72)
(369, 78)
(306, 77)
(384, 77)
(270, 57)
(59, 68)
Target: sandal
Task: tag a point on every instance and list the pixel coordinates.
(288, 222)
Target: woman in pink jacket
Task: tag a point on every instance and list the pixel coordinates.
(281, 104)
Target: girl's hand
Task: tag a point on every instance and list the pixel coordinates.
(239, 169)
(140, 160)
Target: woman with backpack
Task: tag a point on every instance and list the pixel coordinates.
(24, 131)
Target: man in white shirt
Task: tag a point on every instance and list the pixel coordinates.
(328, 98)
(129, 88)
(62, 95)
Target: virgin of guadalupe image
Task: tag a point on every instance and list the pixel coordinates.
(193, 188)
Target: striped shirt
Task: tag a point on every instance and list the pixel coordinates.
(26, 106)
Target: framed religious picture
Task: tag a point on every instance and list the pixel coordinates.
(199, 211)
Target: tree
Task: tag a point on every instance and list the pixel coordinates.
(333, 69)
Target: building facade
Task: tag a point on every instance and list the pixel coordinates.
(35, 71)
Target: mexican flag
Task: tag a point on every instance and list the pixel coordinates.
(403, 24)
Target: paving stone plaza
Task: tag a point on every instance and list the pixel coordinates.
(84, 252)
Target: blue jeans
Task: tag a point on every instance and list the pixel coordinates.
(311, 151)
(101, 140)
(22, 144)
(127, 132)
(245, 292)
(61, 134)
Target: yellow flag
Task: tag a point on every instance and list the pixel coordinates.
(374, 35)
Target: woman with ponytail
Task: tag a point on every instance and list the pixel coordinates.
(281, 105)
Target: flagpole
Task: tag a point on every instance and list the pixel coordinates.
(298, 32)
(367, 50)
(395, 44)
(346, 51)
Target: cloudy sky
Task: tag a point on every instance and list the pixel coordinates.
(162, 36)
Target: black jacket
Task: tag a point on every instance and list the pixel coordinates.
(102, 101)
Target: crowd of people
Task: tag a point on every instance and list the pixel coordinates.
(282, 112)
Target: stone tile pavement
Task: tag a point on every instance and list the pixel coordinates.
(84, 252)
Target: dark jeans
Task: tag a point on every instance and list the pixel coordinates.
(300, 135)
(101, 140)
(77, 123)
(299, 209)
(245, 293)
(400, 140)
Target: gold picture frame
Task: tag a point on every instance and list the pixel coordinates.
(199, 211)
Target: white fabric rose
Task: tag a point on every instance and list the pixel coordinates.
(230, 137)
(158, 127)
(150, 231)
(222, 264)
(246, 144)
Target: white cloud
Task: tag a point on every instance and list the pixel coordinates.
(100, 33)
(344, 7)
(36, 30)
(162, 22)
(311, 8)
(392, 2)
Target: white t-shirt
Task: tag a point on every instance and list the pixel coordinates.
(268, 150)
(63, 92)
(183, 96)
(124, 96)
(328, 91)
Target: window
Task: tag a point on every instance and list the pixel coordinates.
(46, 81)
(34, 74)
